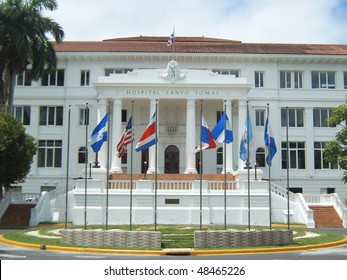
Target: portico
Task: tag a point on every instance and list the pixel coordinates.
(178, 122)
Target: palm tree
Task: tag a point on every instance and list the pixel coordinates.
(24, 43)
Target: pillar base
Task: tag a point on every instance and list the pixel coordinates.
(191, 171)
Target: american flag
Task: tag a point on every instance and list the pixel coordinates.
(126, 138)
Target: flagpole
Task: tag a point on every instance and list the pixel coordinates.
(201, 164)
(269, 147)
(108, 162)
(173, 45)
(224, 167)
(156, 167)
(287, 140)
(67, 166)
(131, 164)
(86, 168)
(248, 171)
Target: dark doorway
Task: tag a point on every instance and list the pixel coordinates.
(144, 161)
(172, 160)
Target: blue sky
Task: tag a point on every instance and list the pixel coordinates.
(286, 21)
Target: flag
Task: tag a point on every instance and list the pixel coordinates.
(171, 40)
(269, 142)
(221, 135)
(126, 138)
(206, 137)
(99, 135)
(148, 138)
(246, 138)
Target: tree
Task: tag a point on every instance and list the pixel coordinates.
(16, 151)
(336, 150)
(24, 42)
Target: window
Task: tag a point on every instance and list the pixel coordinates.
(84, 116)
(51, 115)
(110, 71)
(290, 79)
(124, 116)
(345, 80)
(323, 80)
(259, 117)
(85, 77)
(22, 114)
(260, 157)
(319, 161)
(23, 79)
(258, 79)
(320, 115)
(55, 78)
(296, 117)
(82, 155)
(236, 73)
(296, 155)
(219, 156)
(49, 153)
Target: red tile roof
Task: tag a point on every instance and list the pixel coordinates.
(144, 44)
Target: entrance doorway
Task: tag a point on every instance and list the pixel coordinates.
(172, 160)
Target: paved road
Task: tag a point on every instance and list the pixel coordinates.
(18, 253)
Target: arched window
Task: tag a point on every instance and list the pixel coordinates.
(82, 155)
(260, 157)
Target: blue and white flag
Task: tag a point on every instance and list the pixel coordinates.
(99, 135)
(246, 139)
(222, 132)
(269, 142)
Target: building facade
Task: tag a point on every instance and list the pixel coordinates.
(294, 84)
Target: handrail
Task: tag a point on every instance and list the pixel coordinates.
(305, 210)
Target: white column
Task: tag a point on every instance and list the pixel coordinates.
(229, 147)
(309, 145)
(190, 138)
(241, 124)
(115, 134)
(151, 150)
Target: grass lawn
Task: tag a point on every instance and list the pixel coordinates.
(173, 236)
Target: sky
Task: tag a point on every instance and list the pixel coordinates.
(258, 21)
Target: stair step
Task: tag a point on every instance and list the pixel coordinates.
(326, 217)
(17, 215)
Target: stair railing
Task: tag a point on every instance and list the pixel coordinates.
(328, 200)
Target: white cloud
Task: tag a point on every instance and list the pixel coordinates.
(296, 21)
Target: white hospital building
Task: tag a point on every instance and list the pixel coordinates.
(131, 76)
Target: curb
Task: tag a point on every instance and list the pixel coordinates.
(176, 252)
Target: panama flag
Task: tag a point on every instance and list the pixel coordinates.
(206, 137)
(171, 40)
(148, 138)
(269, 142)
(246, 138)
(222, 132)
(99, 135)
